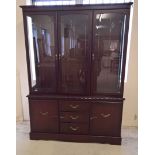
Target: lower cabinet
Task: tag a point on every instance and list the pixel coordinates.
(74, 117)
(106, 118)
(98, 121)
(44, 116)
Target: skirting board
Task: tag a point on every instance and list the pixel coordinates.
(76, 138)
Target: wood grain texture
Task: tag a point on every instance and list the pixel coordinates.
(80, 116)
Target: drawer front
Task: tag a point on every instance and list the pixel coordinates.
(105, 119)
(74, 128)
(44, 115)
(74, 106)
(74, 117)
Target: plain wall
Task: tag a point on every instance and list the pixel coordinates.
(21, 67)
(130, 110)
(19, 109)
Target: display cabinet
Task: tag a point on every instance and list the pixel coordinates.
(76, 59)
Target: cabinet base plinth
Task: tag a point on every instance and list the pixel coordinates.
(76, 138)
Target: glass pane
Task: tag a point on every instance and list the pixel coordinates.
(109, 31)
(74, 49)
(42, 52)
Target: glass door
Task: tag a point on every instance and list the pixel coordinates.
(74, 50)
(42, 52)
(107, 55)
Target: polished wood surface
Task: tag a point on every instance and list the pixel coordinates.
(73, 106)
(76, 138)
(105, 119)
(44, 116)
(76, 88)
(74, 128)
(74, 117)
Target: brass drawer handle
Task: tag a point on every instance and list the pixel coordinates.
(105, 116)
(44, 113)
(94, 117)
(74, 117)
(74, 106)
(74, 128)
(56, 56)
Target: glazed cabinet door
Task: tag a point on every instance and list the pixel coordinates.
(74, 51)
(106, 119)
(41, 36)
(44, 116)
(109, 50)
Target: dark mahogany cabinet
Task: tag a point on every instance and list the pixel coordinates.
(44, 116)
(105, 118)
(76, 58)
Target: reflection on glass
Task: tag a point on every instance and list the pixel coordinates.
(42, 53)
(74, 47)
(109, 32)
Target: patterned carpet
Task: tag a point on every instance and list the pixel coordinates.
(24, 146)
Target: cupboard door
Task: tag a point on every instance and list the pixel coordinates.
(74, 52)
(42, 52)
(106, 119)
(108, 53)
(44, 116)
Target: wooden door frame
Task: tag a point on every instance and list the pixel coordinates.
(118, 11)
(61, 13)
(25, 14)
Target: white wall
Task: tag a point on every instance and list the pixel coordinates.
(21, 61)
(130, 90)
(19, 109)
(130, 112)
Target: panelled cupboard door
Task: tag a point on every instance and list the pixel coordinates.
(108, 51)
(42, 52)
(44, 116)
(105, 119)
(74, 39)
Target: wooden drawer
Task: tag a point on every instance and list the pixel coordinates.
(74, 117)
(105, 119)
(44, 115)
(74, 128)
(74, 106)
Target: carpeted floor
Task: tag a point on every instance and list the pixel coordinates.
(32, 147)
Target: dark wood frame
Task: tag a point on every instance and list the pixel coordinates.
(107, 98)
(88, 54)
(47, 10)
(119, 11)
(34, 8)
(25, 14)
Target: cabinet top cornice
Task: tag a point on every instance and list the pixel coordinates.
(77, 7)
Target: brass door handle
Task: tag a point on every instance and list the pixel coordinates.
(105, 116)
(44, 113)
(59, 56)
(74, 128)
(93, 117)
(74, 117)
(93, 56)
(74, 106)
